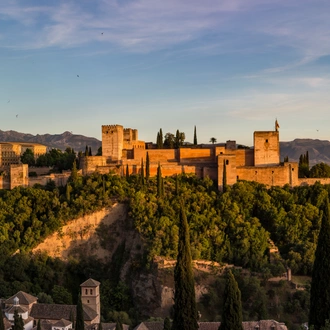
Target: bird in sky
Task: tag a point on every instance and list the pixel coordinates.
(78, 75)
(16, 116)
(8, 101)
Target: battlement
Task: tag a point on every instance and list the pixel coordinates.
(106, 128)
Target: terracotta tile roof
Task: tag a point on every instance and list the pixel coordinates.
(90, 282)
(62, 323)
(24, 298)
(264, 325)
(105, 326)
(251, 325)
(58, 311)
(208, 325)
(45, 325)
(89, 313)
(20, 309)
(52, 311)
(150, 326)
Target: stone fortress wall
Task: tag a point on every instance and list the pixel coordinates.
(12, 172)
(122, 152)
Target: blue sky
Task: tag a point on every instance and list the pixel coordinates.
(230, 67)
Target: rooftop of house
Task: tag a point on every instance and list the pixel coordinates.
(24, 299)
(58, 312)
(90, 283)
(250, 325)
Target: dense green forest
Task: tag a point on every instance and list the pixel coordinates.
(232, 227)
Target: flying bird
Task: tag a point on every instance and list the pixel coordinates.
(16, 116)
(78, 75)
(8, 101)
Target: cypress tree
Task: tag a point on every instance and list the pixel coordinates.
(2, 325)
(142, 172)
(86, 151)
(38, 325)
(79, 315)
(224, 177)
(177, 185)
(177, 139)
(161, 139)
(71, 319)
(158, 141)
(90, 151)
(127, 172)
(119, 326)
(147, 167)
(167, 324)
(232, 311)
(195, 136)
(159, 181)
(67, 192)
(320, 288)
(185, 310)
(18, 321)
(74, 172)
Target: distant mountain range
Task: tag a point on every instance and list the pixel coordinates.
(60, 141)
(318, 150)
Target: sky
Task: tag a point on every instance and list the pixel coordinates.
(228, 67)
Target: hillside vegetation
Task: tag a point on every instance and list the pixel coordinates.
(232, 227)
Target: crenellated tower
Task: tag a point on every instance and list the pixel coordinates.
(112, 141)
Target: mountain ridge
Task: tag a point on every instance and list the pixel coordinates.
(318, 150)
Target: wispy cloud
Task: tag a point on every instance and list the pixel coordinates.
(298, 27)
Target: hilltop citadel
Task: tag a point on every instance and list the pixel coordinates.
(123, 153)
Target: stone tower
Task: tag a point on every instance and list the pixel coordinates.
(266, 148)
(112, 141)
(90, 296)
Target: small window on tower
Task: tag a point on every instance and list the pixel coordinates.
(266, 140)
(91, 291)
(87, 301)
(227, 162)
(86, 291)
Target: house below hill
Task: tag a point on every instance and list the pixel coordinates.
(53, 316)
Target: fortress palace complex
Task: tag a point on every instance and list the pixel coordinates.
(122, 151)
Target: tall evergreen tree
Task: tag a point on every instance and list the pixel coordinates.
(232, 310)
(177, 139)
(18, 321)
(79, 315)
(119, 326)
(39, 325)
(195, 136)
(167, 324)
(224, 177)
(185, 310)
(86, 150)
(177, 185)
(127, 172)
(159, 181)
(2, 325)
(90, 151)
(147, 167)
(320, 288)
(142, 172)
(74, 172)
(68, 192)
(158, 140)
(161, 139)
